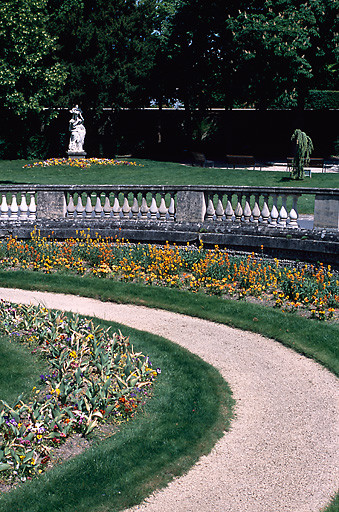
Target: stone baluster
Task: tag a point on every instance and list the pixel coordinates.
(256, 211)
(107, 205)
(4, 207)
(229, 212)
(98, 206)
(162, 208)
(238, 211)
(70, 207)
(126, 207)
(274, 212)
(247, 210)
(89, 207)
(79, 210)
(32, 206)
(265, 212)
(144, 207)
(23, 207)
(135, 206)
(210, 211)
(294, 213)
(219, 211)
(116, 207)
(153, 208)
(14, 208)
(283, 215)
(171, 209)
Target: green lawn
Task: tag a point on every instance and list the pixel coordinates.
(21, 371)
(156, 173)
(162, 173)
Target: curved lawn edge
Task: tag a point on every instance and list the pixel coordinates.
(147, 453)
(311, 338)
(308, 337)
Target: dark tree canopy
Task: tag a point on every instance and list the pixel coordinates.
(123, 53)
(106, 48)
(261, 53)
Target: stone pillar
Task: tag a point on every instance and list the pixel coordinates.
(191, 206)
(326, 212)
(51, 204)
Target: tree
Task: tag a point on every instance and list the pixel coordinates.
(107, 49)
(281, 48)
(262, 53)
(302, 153)
(29, 78)
(194, 60)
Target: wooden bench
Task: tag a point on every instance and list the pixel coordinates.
(200, 159)
(314, 163)
(240, 161)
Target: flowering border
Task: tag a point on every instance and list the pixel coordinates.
(80, 162)
(94, 376)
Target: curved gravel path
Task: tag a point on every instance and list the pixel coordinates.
(281, 454)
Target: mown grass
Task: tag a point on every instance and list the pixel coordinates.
(318, 340)
(152, 172)
(312, 338)
(333, 506)
(20, 371)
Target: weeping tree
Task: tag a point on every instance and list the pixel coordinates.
(302, 153)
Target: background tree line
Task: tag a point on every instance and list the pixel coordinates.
(124, 53)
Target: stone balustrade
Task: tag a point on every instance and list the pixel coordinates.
(274, 207)
(18, 205)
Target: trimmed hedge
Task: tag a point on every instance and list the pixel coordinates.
(320, 100)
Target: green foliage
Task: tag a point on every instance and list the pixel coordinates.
(203, 128)
(28, 76)
(253, 53)
(303, 150)
(321, 100)
(197, 55)
(106, 48)
(276, 38)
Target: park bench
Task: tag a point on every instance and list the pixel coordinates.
(240, 161)
(200, 160)
(314, 163)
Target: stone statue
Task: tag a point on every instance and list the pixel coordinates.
(78, 132)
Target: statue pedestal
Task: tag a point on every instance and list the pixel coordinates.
(76, 155)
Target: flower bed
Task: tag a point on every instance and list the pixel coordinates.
(79, 162)
(306, 289)
(94, 376)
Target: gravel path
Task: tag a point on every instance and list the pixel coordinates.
(281, 452)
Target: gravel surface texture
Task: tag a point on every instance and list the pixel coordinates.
(281, 454)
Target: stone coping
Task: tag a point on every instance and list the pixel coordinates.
(170, 188)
